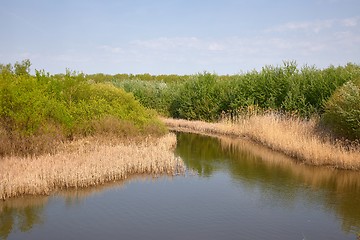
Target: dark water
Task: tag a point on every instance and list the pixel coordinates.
(233, 190)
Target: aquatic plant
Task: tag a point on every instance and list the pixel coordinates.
(291, 135)
(87, 162)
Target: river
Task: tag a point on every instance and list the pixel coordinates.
(232, 189)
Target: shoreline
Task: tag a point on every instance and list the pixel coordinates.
(90, 163)
(293, 137)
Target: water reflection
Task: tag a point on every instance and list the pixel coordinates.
(211, 204)
(278, 176)
(22, 214)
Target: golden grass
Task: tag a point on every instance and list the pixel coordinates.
(315, 177)
(86, 163)
(293, 136)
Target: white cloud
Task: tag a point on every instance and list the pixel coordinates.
(111, 49)
(165, 43)
(177, 43)
(227, 55)
(350, 22)
(216, 46)
(314, 26)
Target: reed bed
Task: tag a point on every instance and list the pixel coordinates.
(87, 163)
(292, 136)
(316, 178)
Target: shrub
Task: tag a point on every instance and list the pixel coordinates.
(156, 95)
(38, 111)
(198, 99)
(284, 88)
(342, 111)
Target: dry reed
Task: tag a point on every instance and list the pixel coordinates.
(293, 136)
(317, 178)
(87, 163)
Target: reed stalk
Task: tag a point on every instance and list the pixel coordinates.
(292, 136)
(87, 163)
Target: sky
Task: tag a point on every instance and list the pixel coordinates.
(178, 36)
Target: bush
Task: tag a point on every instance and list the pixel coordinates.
(155, 95)
(342, 111)
(198, 99)
(37, 111)
(284, 88)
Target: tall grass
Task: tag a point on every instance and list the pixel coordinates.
(292, 136)
(86, 163)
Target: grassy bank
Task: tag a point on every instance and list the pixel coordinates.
(292, 136)
(86, 163)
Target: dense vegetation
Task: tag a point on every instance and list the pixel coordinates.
(342, 113)
(38, 111)
(305, 92)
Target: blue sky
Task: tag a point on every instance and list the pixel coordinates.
(178, 36)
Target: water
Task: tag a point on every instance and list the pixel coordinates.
(233, 190)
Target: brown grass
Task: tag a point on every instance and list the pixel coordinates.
(293, 136)
(87, 162)
(315, 177)
(14, 143)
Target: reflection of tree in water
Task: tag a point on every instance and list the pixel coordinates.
(199, 153)
(24, 213)
(278, 176)
(20, 214)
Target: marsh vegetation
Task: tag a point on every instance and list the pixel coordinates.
(290, 135)
(233, 189)
(87, 162)
(307, 113)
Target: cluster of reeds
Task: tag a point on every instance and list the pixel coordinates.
(317, 178)
(293, 136)
(86, 163)
(264, 166)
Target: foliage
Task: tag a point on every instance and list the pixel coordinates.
(286, 88)
(155, 95)
(57, 107)
(197, 99)
(102, 78)
(342, 110)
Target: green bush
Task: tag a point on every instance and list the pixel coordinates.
(155, 95)
(287, 88)
(34, 109)
(198, 99)
(342, 111)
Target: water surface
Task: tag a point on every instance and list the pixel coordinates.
(233, 190)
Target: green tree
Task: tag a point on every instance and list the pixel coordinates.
(22, 68)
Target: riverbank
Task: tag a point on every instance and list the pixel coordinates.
(294, 137)
(85, 163)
